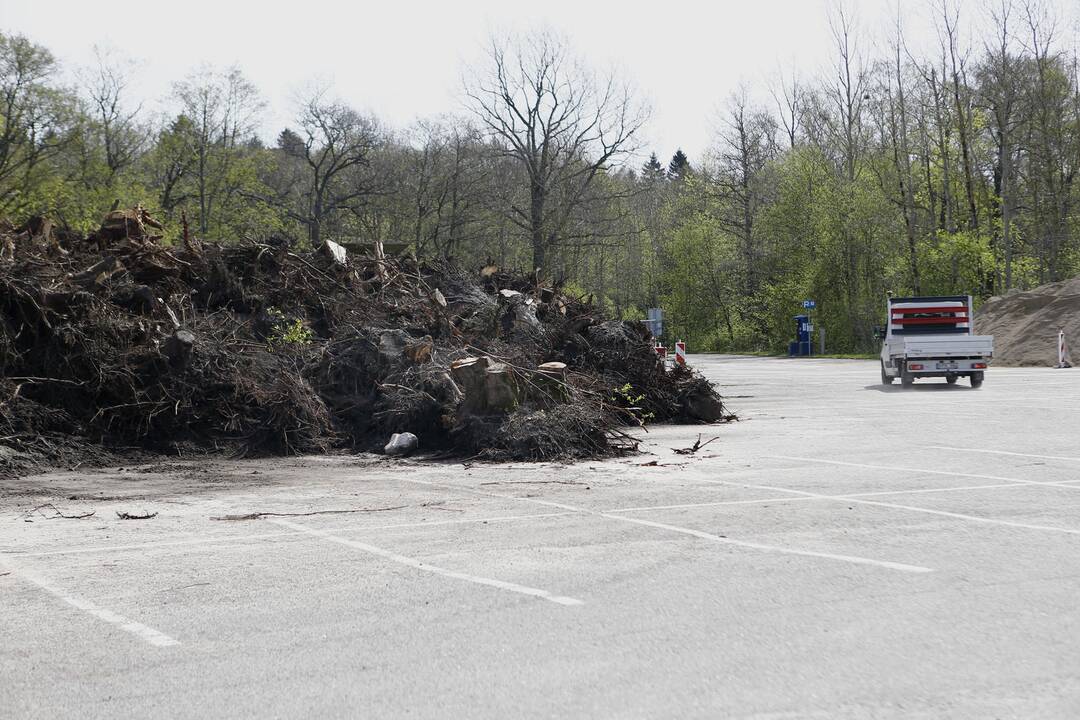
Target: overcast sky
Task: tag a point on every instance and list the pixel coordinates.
(402, 60)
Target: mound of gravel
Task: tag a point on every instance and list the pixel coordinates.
(1025, 324)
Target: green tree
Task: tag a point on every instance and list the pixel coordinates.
(38, 121)
(221, 110)
(679, 166)
(653, 170)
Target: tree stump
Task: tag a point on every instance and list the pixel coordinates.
(468, 375)
(501, 390)
(489, 388)
(550, 381)
(178, 348)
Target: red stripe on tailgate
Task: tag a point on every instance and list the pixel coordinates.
(930, 321)
(930, 309)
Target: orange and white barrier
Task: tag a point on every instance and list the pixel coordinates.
(680, 353)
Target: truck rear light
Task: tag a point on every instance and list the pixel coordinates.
(979, 366)
(915, 366)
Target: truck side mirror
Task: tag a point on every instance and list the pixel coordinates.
(880, 332)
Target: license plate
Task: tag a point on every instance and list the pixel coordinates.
(947, 366)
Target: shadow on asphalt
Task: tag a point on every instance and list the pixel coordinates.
(928, 387)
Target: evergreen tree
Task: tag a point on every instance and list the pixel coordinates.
(653, 170)
(679, 167)
(290, 143)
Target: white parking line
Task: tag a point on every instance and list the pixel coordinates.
(761, 501)
(717, 503)
(427, 567)
(686, 531)
(773, 548)
(1004, 452)
(912, 508)
(143, 632)
(894, 468)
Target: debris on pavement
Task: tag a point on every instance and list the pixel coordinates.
(135, 516)
(55, 513)
(401, 444)
(257, 515)
(695, 447)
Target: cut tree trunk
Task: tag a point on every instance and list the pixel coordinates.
(550, 381)
(489, 388)
(178, 348)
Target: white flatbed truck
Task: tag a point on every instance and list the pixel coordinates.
(933, 337)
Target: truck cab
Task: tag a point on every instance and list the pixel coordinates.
(927, 337)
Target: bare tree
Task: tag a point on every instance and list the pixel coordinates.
(562, 124)
(790, 100)
(324, 169)
(746, 143)
(896, 131)
(105, 86)
(336, 142)
(1000, 82)
(961, 98)
(223, 108)
(941, 122)
(1054, 145)
(848, 94)
(444, 183)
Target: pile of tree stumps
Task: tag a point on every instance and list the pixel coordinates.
(118, 341)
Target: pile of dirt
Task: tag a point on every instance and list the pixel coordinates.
(118, 343)
(1025, 324)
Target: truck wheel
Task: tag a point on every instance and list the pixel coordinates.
(885, 379)
(976, 379)
(951, 379)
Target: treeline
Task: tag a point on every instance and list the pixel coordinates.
(952, 173)
(892, 172)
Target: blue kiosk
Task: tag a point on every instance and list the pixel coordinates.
(803, 345)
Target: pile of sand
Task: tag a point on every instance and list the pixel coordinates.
(1025, 324)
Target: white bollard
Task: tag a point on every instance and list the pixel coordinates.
(1063, 353)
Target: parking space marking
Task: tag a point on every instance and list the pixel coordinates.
(1005, 452)
(717, 503)
(878, 493)
(427, 567)
(912, 508)
(143, 632)
(772, 548)
(266, 536)
(686, 531)
(920, 471)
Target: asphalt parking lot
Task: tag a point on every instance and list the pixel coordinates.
(845, 550)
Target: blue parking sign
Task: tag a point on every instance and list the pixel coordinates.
(809, 304)
(656, 321)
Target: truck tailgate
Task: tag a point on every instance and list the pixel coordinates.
(937, 346)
